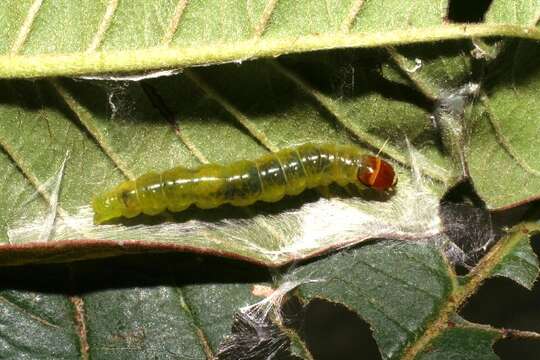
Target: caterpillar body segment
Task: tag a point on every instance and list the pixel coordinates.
(269, 178)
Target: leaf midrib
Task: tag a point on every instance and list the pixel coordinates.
(161, 57)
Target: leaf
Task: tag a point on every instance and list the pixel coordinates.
(27, 316)
(118, 149)
(520, 263)
(512, 127)
(183, 306)
(120, 130)
(368, 282)
(410, 295)
(146, 310)
(48, 39)
(64, 140)
(462, 343)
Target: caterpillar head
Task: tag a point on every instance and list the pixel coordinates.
(376, 173)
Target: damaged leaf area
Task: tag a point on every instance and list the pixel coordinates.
(450, 106)
(201, 307)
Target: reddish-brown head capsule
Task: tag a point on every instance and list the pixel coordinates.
(377, 173)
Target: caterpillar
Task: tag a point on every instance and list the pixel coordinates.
(269, 178)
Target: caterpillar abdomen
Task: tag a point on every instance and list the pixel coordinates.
(269, 178)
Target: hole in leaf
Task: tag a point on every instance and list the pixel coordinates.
(467, 222)
(331, 331)
(502, 303)
(466, 11)
(523, 349)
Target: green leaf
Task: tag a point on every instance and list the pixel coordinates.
(520, 263)
(146, 310)
(49, 39)
(503, 126)
(462, 343)
(410, 295)
(112, 130)
(396, 288)
(65, 140)
(27, 316)
(509, 119)
(183, 306)
(94, 134)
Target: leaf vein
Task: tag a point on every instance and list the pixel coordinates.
(420, 83)
(80, 321)
(26, 27)
(157, 101)
(25, 311)
(460, 294)
(104, 25)
(521, 334)
(23, 168)
(231, 109)
(265, 18)
(398, 279)
(86, 120)
(525, 260)
(198, 330)
(433, 270)
(374, 305)
(40, 187)
(332, 107)
(503, 141)
(174, 22)
(79, 63)
(352, 16)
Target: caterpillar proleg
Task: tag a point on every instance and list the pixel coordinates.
(269, 178)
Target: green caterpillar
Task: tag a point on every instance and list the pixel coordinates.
(269, 178)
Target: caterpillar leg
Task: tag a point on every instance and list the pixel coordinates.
(324, 190)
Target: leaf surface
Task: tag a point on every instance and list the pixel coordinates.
(93, 134)
(131, 111)
(45, 38)
(410, 295)
(145, 310)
